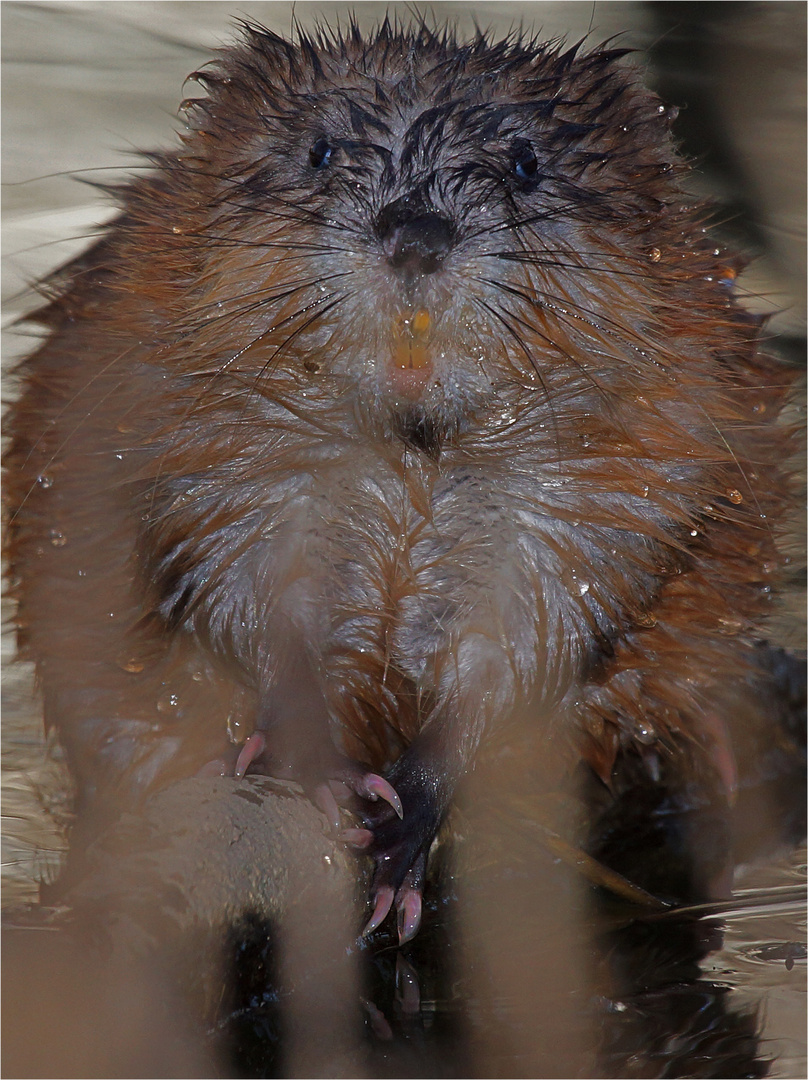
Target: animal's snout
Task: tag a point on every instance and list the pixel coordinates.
(415, 239)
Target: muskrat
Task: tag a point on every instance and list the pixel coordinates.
(408, 395)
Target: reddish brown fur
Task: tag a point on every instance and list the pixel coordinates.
(145, 415)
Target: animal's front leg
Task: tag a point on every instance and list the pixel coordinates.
(293, 739)
(477, 682)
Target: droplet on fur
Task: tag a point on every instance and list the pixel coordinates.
(645, 734)
(583, 587)
(57, 538)
(694, 532)
(654, 255)
(735, 496)
(646, 619)
(45, 481)
(168, 703)
(130, 663)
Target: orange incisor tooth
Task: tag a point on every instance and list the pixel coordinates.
(412, 334)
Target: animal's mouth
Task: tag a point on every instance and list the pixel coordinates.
(411, 365)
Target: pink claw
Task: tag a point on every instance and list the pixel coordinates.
(381, 1029)
(324, 800)
(360, 838)
(408, 907)
(253, 748)
(384, 901)
(724, 756)
(376, 787)
(217, 767)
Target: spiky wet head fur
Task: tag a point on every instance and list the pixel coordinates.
(548, 174)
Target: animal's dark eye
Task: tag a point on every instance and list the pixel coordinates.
(525, 162)
(320, 154)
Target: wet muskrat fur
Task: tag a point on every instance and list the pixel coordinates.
(409, 394)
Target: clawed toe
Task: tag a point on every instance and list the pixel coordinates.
(384, 901)
(323, 799)
(252, 749)
(408, 913)
(408, 904)
(372, 786)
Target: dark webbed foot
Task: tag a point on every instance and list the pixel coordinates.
(399, 845)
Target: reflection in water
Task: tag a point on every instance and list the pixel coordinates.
(525, 966)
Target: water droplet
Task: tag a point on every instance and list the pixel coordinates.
(735, 496)
(197, 676)
(645, 734)
(168, 703)
(583, 587)
(759, 408)
(646, 619)
(45, 481)
(119, 457)
(130, 663)
(645, 490)
(56, 538)
(694, 532)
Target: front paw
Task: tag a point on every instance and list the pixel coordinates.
(399, 847)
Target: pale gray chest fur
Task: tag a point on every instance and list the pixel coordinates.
(458, 574)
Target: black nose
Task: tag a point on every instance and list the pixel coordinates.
(416, 240)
